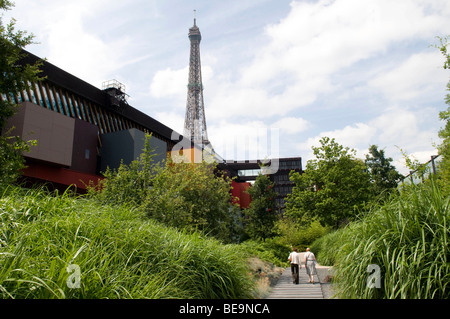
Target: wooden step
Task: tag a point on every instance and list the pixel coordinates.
(286, 289)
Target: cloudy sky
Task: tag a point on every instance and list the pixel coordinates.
(278, 74)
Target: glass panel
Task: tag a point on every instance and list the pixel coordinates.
(92, 114)
(39, 95)
(120, 122)
(83, 111)
(16, 99)
(102, 121)
(70, 102)
(31, 93)
(114, 120)
(108, 122)
(249, 172)
(59, 102)
(64, 99)
(52, 100)
(76, 110)
(24, 96)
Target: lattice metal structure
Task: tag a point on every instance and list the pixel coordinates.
(195, 122)
(116, 91)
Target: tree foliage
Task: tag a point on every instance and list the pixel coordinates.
(11, 158)
(444, 133)
(129, 183)
(189, 196)
(261, 216)
(384, 176)
(301, 236)
(333, 188)
(14, 77)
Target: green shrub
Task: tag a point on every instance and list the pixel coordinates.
(260, 217)
(293, 234)
(188, 196)
(269, 250)
(128, 183)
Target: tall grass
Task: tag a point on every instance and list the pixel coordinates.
(407, 237)
(120, 253)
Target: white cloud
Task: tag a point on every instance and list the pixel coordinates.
(353, 136)
(291, 125)
(420, 75)
(63, 34)
(172, 84)
(394, 129)
(315, 41)
(232, 100)
(168, 82)
(319, 38)
(396, 125)
(174, 120)
(244, 141)
(80, 51)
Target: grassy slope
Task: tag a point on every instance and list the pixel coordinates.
(120, 254)
(407, 237)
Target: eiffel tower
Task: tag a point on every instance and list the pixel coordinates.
(195, 123)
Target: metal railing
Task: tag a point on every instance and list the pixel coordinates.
(421, 174)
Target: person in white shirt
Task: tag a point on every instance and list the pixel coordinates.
(294, 258)
(310, 264)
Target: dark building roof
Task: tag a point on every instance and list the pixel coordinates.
(72, 83)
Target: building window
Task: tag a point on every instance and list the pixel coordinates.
(15, 99)
(24, 96)
(66, 103)
(249, 172)
(84, 112)
(92, 114)
(59, 101)
(31, 93)
(53, 100)
(40, 93)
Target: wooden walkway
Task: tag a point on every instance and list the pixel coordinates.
(285, 289)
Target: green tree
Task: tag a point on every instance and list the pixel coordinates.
(444, 133)
(301, 236)
(333, 188)
(193, 196)
(383, 175)
(129, 183)
(260, 217)
(189, 196)
(14, 77)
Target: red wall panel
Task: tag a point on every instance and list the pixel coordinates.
(60, 175)
(240, 195)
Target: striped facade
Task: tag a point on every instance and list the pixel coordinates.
(97, 117)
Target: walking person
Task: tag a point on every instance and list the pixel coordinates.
(296, 265)
(310, 265)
